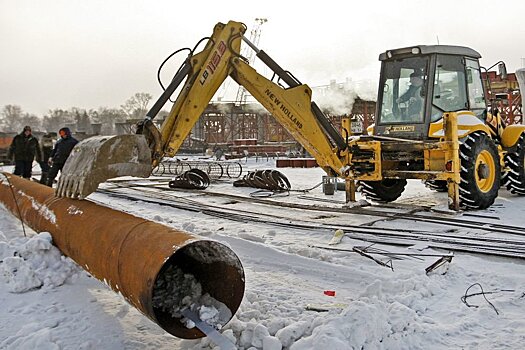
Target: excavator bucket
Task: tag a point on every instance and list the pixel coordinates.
(99, 158)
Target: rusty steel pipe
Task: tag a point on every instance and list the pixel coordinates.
(128, 253)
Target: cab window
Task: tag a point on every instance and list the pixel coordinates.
(476, 96)
(449, 93)
(404, 90)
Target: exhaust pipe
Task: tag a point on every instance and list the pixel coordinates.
(133, 256)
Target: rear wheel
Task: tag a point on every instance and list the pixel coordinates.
(436, 185)
(387, 190)
(480, 172)
(515, 161)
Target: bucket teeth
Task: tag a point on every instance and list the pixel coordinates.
(99, 158)
(71, 186)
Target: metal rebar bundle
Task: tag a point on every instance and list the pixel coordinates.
(214, 169)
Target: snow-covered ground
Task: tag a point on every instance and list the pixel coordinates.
(48, 302)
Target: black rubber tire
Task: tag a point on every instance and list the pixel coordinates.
(387, 190)
(436, 185)
(515, 162)
(470, 194)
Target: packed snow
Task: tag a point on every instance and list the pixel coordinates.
(297, 296)
(176, 291)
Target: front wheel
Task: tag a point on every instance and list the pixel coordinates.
(515, 162)
(386, 190)
(480, 172)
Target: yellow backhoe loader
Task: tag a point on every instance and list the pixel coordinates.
(431, 124)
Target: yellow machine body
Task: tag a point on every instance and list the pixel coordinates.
(402, 144)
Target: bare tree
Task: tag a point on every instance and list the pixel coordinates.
(83, 121)
(108, 117)
(136, 106)
(56, 119)
(32, 120)
(13, 119)
(11, 116)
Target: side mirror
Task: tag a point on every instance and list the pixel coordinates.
(502, 70)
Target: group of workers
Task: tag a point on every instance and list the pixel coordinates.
(50, 155)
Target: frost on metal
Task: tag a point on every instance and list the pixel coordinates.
(214, 252)
(42, 209)
(73, 210)
(99, 158)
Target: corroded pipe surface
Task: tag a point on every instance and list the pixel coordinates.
(126, 252)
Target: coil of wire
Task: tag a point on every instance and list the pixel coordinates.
(195, 179)
(272, 180)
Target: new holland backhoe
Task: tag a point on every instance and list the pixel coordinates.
(431, 124)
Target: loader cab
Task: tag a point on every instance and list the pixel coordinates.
(420, 83)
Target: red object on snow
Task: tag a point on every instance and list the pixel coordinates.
(330, 293)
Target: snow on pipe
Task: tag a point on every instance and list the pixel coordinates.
(134, 256)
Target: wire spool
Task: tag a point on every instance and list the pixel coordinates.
(233, 170)
(272, 180)
(159, 170)
(195, 179)
(214, 170)
(178, 168)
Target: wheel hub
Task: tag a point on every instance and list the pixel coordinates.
(483, 171)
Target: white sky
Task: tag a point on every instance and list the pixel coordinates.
(86, 54)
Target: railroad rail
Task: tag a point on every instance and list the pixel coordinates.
(512, 245)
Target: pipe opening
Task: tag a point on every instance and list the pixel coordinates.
(205, 274)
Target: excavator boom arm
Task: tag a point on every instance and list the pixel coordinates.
(292, 107)
(100, 159)
(209, 69)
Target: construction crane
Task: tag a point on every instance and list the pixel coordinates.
(248, 53)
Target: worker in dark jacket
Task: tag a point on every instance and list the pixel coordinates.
(25, 149)
(46, 142)
(59, 154)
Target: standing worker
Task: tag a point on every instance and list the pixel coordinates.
(59, 154)
(25, 149)
(46, 144)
